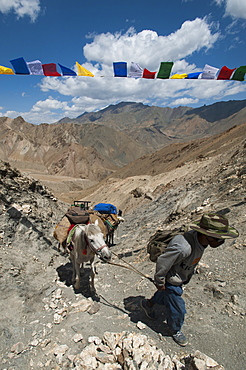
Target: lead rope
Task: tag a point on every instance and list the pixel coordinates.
(130, 267)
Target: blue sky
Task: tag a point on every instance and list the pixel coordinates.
(191, 33)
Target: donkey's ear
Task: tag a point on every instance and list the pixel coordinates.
(96, 222)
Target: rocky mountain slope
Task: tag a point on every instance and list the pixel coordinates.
(146, 178)
(157, 127)
(46, 324)
(95, 145)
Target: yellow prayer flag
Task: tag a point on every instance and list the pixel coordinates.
(6, 71)
(179, 76)
(83, 71)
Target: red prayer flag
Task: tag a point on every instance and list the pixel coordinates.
(50, 69)
(225, 73)
(148, 74)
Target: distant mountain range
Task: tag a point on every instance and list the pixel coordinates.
(94, 145)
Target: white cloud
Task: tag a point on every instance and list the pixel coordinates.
(191, 37)
(234, 8)
(30, 8)
(49, 104)
(215, 89)
(184, 101)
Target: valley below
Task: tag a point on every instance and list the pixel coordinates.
(46, 324)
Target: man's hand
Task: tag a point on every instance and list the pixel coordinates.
(160, 287)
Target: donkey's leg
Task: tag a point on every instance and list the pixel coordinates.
(72, 258)
(77, 275)
(92, 276)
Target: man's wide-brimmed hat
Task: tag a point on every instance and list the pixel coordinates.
(215, 225)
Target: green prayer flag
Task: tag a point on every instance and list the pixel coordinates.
(165, 70)
(239, 74)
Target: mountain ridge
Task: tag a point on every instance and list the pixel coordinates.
(95, 148)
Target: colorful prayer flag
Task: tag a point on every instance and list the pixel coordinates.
(20, 66)
(6, 71)
(83, 71)
(165, 70)
(209, 72)
(179, 76)
(50, 69)
(148, 74)
(120, 69)
(239, 74)
(193, 75)
(35, 67)
(67, 71)
(135, 70)
(225, 73)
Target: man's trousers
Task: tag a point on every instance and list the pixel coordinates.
(174, 303)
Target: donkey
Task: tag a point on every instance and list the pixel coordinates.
(87, 241)
(112, 222)
(108, 223)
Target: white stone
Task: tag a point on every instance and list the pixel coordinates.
(34, 343)
(200, 364)
(90, 350)
(53, 305)
(141, 325)
(112, 339)
(17, 348)
(77, 337)
(166, 363)
(31, 363)
(57, 318)
(208, 360)
(94, 339)
(88, 362)
(58, 293)
(60, 349)
(81, 306)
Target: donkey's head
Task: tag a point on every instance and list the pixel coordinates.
(96, 241)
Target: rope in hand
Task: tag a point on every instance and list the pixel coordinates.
(130, 267)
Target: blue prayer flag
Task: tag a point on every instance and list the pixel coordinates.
(120, 69)
(67, 71)
(193, 75)
(20, 66)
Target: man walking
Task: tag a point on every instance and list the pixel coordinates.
(176, 265)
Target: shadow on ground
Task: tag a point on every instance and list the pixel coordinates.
(136, 313)
(65, 273)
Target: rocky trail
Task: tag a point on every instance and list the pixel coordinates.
(46, 324)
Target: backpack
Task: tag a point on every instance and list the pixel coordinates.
(76, 215)
(105, 208)
(159, 241)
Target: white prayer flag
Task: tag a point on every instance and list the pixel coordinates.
(135, 70)
(35, 67)
(209, 73)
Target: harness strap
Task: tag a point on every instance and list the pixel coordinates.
(110, 225)
(90, 246)
(71, 232)
(100, 248)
